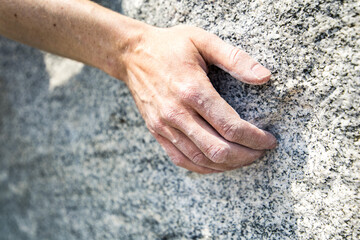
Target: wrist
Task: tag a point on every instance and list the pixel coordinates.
(125, 35)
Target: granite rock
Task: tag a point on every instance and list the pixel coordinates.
(76, 160)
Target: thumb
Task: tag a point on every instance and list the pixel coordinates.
(236, 62)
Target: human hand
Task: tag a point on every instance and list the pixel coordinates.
(165, 69)
(166, 72)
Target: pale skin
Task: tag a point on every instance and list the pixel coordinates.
(165, 70)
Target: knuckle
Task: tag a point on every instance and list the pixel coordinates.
(192, 133)
(231, 132)
(172, 114)
(198, 158)
(191, 95)
(156, 126)
(235, 55)
(218, 153)
(175, 139)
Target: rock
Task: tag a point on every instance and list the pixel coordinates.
(78, 163)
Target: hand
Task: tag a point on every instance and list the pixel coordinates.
(166, 71)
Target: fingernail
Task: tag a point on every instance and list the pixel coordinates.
(260, 72)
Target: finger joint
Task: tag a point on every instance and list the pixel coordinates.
(173, 114)
(218, 153)
(157, 126)
(192, 96)
(198, 158)
(231, 132)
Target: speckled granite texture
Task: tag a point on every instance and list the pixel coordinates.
(76, 160)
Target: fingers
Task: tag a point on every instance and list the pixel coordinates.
(180, 159)
(206, 139)
(216, 148)
(193, 153)
(231, 59)
(224, 119)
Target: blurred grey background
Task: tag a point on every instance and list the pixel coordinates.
(77, 162)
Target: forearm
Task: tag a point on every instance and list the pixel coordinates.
(77, 29)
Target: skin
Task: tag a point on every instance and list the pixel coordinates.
(165, 70)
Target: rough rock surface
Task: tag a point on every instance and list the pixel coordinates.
(76, 160)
